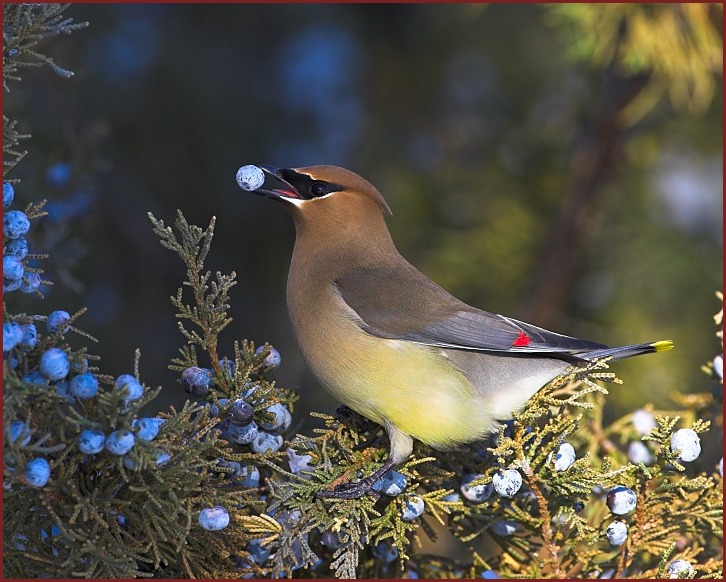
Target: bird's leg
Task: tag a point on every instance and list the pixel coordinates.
(401, 448)
(358, 489)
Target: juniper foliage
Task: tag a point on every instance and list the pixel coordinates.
(27, 25)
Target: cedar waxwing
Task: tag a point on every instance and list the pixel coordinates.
(390, 343)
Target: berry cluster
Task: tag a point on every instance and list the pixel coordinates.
(246, 421)
(44, 363)
(66, 375)
(17, 274)
(259, 428)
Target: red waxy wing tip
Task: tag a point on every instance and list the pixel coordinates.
(521, 341)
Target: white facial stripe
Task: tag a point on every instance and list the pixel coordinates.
(328, 195)
(299, 202)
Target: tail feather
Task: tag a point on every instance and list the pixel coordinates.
(622, 352)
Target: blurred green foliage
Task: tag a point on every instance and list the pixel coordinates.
(475, 123)
(679, 46)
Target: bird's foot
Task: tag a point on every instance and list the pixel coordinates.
(358, 489)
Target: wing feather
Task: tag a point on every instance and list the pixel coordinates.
(399, 302)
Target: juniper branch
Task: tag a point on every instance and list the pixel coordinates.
(211, 300)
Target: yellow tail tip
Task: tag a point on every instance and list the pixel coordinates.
(662, 346)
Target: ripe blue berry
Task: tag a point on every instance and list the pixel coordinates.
(162, 458)
(718, 365)
(17, 541)
(249, 477)
(13, 269)
(10, 285)
(134, 390)
(688, 444)
(288, 517)
(638, 452)
(35, 377)
(476, 493)
(55, 531)
(265, 441)
(281, 418)
(17, 428)
(504, 527)
(258, 552)
(37, 472)
(214, 409)
(84, 386)
(30, 336)
(643, 421)
(490, 575)
(565, 457)
(299, 463)
(240, 413)
(234, 465)
(414, 508)
(622, 500)
(617, 533)
(17, 247)
(214, 518)
(392, 483)
(12, 335)
(148, 427)
(680, 569)
(120, 442)
(250, 177)
(91, 441)
(15, 224)
(331, 540)
(8, 194)
(250, 389)
(384, 552)
(80, 366)
(227, 367)
(273, 358)
(58, 174)
(31, 283)
(63, 389)
(507, 483)
(54, 364)
(57, 321)
(196, 381)
(242, 435)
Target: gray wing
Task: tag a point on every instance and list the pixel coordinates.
(400, 302)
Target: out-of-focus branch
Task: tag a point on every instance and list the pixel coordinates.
(594, 160)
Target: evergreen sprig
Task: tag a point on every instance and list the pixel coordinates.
(211, 300)
(27, 25)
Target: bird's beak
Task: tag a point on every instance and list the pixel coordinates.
(275, 186)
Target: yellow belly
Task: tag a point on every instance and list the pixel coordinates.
(415, 387)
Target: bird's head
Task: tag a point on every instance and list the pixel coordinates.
(321, 190)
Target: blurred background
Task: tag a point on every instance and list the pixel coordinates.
(557, 164)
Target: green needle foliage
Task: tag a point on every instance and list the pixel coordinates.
(678, 47)
(136, 515)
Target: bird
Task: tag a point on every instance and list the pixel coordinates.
(390, 343)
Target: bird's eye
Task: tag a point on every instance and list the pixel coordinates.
(318, 189)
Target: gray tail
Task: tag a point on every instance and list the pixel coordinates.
(623, 352)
